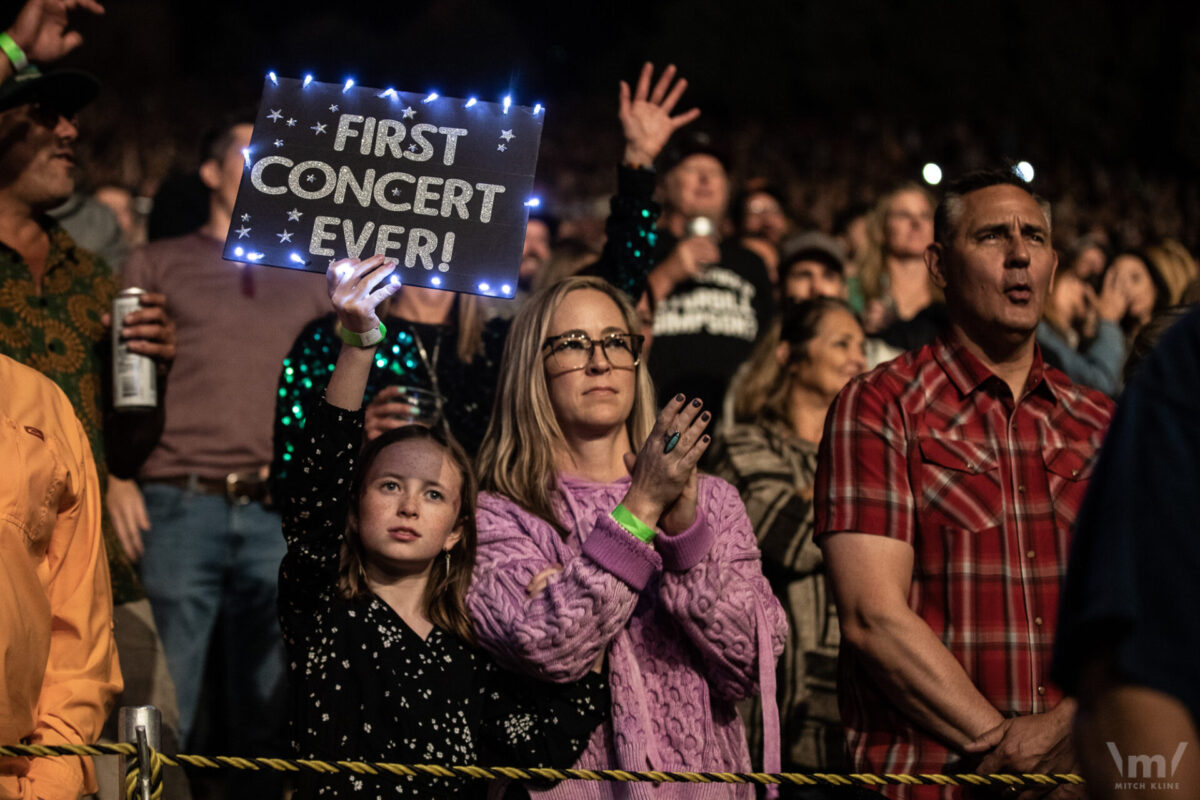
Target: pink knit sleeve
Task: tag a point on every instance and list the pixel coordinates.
(716, 597)
(556, 635)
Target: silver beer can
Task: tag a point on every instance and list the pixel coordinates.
(135, 380)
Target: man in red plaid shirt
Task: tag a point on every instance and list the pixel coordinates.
(947, 484)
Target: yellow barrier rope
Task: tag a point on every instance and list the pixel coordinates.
(518, 773)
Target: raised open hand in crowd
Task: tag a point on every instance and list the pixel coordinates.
(646, 114)
(663, 490)
(41, 28)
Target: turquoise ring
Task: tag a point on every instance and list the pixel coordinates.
(672, 440)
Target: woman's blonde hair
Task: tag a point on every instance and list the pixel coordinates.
(1176, 266)
(872, 264)
(517, 458)
(762, 386)
(449, 579)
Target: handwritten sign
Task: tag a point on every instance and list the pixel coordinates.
(438, 183)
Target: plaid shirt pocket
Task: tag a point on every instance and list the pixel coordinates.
(1067, 472)
(958, 484)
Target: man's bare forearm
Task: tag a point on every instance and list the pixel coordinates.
(922, 677)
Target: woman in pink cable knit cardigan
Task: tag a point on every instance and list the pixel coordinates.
(645, 561)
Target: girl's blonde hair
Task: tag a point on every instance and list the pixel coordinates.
(449, 580)
(517, 458)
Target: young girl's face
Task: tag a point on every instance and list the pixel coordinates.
(409, 508)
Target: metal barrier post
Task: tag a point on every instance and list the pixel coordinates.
(141, 726)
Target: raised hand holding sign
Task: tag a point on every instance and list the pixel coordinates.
(340, 171)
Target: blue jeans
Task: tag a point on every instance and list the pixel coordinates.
(204, 558)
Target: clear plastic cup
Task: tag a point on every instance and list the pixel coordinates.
(422, 406)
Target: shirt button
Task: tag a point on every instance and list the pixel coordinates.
(1037, 620)
(1074, 473)
(1029, 554)
(1021, 488)
(1041, 690)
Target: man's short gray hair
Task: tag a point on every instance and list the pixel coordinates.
(949, 211)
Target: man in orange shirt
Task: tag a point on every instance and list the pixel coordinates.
(56, 645)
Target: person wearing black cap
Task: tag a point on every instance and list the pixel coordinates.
(54, 295)
(812, 267)
(712, 297)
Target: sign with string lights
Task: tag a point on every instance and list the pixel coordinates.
(338, 170)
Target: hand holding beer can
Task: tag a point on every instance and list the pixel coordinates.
(135, 380)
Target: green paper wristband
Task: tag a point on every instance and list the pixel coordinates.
(634, 526)
(14, 52)
(367, 339)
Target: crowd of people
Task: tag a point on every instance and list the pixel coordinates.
(720, 494)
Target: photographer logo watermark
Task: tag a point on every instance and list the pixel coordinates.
(1143, 772)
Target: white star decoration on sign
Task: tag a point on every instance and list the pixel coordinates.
(333, 108)
(501, 148)
(507, 135)
(311, 177)
(242, 232)
(409, 113)
(279, 142)
(286, 236)
(395, 191)
(412, 148)
(245, 217)
(294, 215)
(291, 123)
(275, 115)
(318, 128)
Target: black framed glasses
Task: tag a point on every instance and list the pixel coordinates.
(571, 351)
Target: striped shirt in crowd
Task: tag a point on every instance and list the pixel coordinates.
(773, 470)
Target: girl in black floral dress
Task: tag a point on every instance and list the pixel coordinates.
(381, 543)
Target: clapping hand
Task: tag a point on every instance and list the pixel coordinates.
(663, 489)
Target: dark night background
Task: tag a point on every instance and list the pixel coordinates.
(834, 100)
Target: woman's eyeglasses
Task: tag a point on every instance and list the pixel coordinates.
(571, 351)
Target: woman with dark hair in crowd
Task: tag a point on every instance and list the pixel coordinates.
(902, 306)
(381, 548)
(1080, 332)
(770, 455)
(657, 569)
(1139, 277)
